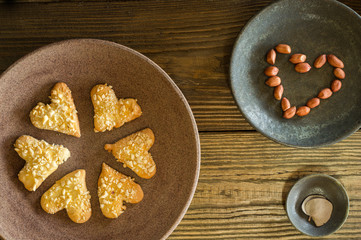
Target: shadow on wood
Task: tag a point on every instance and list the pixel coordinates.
(302, 172)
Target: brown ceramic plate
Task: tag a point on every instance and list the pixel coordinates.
(82, 64)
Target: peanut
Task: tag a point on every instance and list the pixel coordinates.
(271, 71)
(339, 73)
(285, 104)
(283, 48)
(303, 111)
(273, 81)
(302, 67)
(289, 113)
(313, 102)
(325, 93)
(336, 85)
(320, 61)
(334, 61)
(297, 58)
(278, 92)
(271, 57)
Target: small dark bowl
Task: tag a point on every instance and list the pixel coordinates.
(324, 185)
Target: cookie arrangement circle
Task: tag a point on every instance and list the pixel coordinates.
(301, 66)
(70, 192)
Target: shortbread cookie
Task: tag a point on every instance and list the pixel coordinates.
(69, 192)
(113, 189)
(60, 115)
(109, 112)
(42, 159)
(132, 151)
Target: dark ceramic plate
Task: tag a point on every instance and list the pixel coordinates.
(317, 184)
(83, 64)
(309, 27)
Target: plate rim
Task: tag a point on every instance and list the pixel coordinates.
(167, 77)
(232, 79)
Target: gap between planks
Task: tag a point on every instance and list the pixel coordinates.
(245, 179)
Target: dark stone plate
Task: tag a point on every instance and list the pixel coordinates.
(317, 184)
(82, 64)
(309, 27)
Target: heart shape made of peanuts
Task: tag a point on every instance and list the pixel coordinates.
(301, 66)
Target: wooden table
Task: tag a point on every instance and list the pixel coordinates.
(244, 177)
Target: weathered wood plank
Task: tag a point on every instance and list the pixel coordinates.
(245, 179)
(190, 40)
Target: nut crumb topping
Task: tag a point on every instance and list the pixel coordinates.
(70, 192)
(113, 189)
(109, 112)
(60, 115)
(42, 159)
(132, 151)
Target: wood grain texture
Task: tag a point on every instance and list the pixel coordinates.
(245, 179)
(191, 40)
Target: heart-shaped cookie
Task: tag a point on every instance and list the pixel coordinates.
(113, 189)
(70, 192)
(109, 112)
(60, 115)
(302, 67)
(132, 151)
(42, 159)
